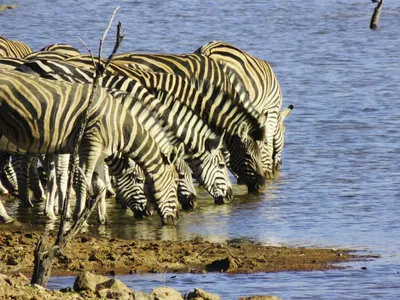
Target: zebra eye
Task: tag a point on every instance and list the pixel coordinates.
(139, 180)
(221, 165)
(181, 176)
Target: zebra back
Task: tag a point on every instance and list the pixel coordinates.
(13, 49)
(68, 50)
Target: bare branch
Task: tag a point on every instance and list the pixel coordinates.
(105, 35)
(375, 16)
(90, 52)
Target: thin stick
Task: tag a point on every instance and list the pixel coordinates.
(105, 34)
(90, 52)
(375, 16)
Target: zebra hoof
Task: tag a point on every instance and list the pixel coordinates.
(103, 220)
(50, 216)
(6, 220)
(3, 191)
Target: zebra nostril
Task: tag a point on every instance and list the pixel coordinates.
(219, 200)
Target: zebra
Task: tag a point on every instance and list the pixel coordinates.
(62, 48)
(223, 108)
(20, 162)
(258, 79)
(206, 160)
(32, 117)
(12, 49)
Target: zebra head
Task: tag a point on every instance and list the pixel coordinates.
(279, 137)
(245, 158)
(186, 190)
(129, 185)
(210, 170)
(165, 182)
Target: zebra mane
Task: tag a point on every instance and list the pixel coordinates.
(255, 120)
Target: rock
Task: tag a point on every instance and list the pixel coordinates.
(199, 294)
(88, 281)
(114, 285)
(110, 294)
(142, 296)
(265, 297)
(222, 265)
(39, 287)
(5, 280)
(165, 293)
(19, 280)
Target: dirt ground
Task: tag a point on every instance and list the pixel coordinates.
(109, 256)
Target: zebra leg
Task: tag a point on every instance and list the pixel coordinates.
(36, 184)
(10, 177)
(21, 164)
(51, 187)
(4, 217)
(110, 190)
(3, 161)
(87, 162)
(3, 190)
(62, 163)
(99, 187)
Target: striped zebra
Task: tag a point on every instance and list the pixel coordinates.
(12, 49)
(33, 115)
(202, 146)
(219, 106)
(258, 79)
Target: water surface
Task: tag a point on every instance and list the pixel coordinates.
(340, 177)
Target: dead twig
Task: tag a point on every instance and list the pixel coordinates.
(375, 16)
(45, 258)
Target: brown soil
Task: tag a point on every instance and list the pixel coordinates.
(109, 256)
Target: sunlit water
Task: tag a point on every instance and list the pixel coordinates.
(340, 177)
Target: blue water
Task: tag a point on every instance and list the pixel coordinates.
(341, 171)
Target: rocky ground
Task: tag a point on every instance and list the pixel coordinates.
(111, 256)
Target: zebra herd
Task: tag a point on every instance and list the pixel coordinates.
(156, 121)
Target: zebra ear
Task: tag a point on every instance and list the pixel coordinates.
(221, 141)
(243, 130)
(180, 151)
(287, 111)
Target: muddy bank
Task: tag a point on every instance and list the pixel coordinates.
(109, 256)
